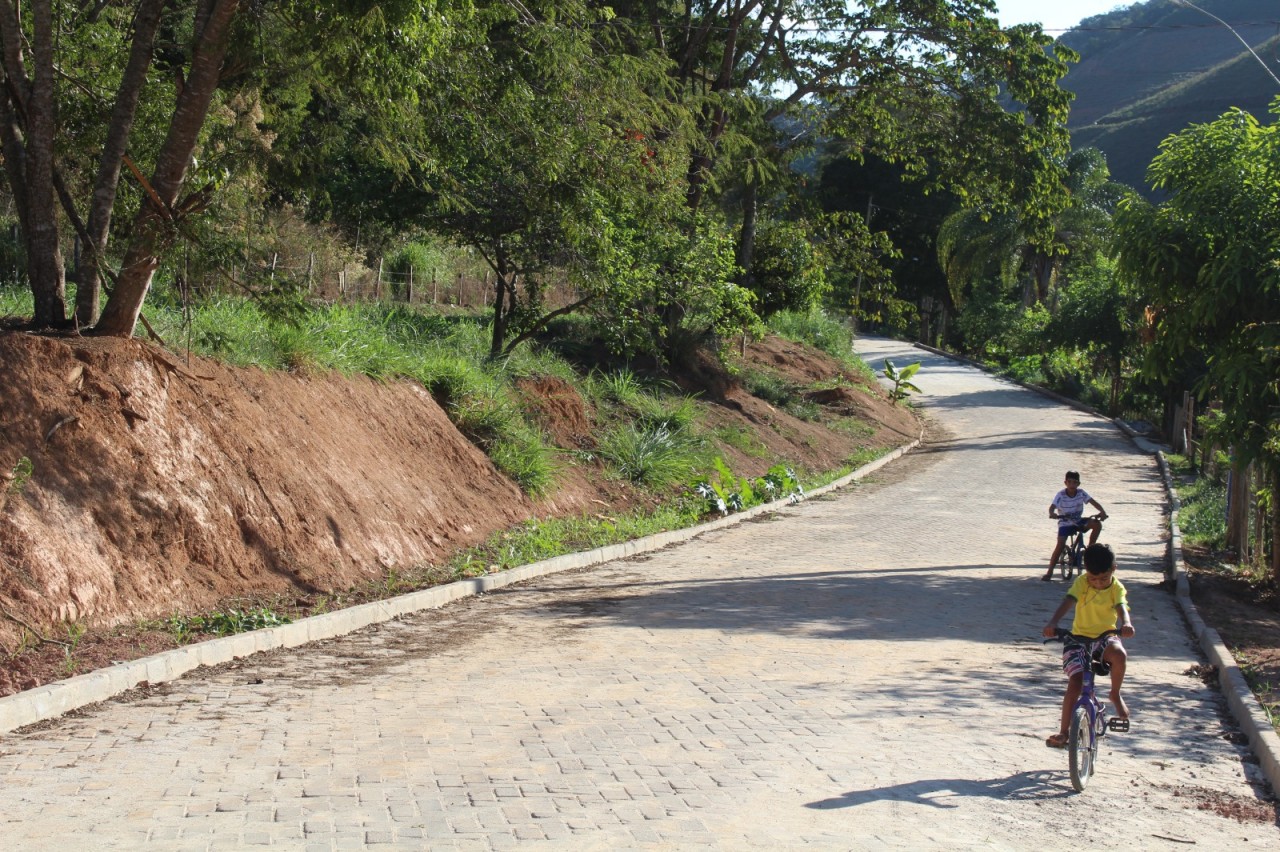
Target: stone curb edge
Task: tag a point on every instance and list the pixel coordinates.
(1244, 705)
(55, 699)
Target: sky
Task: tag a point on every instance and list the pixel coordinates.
(1054, 16)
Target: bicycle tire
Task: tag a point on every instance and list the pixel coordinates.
(1064, 561)
(1082, 749)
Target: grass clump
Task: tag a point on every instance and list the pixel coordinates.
(817, 329)
(652, 455)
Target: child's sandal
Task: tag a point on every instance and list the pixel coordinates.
(1056, 741)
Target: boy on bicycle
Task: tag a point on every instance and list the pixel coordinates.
(1068, 507)
(1101, 605)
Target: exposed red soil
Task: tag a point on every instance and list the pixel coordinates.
(160, 485)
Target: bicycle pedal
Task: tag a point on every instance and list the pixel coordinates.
(1118, 725)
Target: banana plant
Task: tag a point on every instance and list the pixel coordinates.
(902, 386)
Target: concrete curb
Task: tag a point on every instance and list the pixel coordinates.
(55, 699)
(1245, 708)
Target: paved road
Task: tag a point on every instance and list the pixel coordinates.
(862, 672)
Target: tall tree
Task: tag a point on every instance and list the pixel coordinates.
(918, 81)
(1205, 260)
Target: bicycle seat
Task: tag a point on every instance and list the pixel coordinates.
(1100, 667)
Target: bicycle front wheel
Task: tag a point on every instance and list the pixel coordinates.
(1082, 748)
(1064, 562)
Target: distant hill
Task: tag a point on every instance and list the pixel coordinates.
(1154, 68)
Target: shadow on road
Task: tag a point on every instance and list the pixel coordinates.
(942, 792)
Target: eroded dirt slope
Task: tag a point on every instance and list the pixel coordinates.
(157, 485)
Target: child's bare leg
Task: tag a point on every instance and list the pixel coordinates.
(1053, 560)
(1094, 529)
(1117, 658)
(1074, 686)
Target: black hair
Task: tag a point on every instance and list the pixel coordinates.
(1073, 474)
(1098, 559)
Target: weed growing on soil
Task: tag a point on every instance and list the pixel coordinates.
(901, 378)
(1267, 692)
(185, 628)
(20, 475)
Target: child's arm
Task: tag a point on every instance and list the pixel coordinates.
(1095, 504)
(1123, 622)
(1051, 629)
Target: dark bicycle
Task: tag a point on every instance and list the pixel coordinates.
(1071, 559)
(1089, 722)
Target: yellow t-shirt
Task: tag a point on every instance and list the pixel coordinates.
(1095, 608)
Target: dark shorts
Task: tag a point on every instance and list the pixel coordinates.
(1076, 651)
(1071, 528)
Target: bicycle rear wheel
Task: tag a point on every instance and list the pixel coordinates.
(1082, 749)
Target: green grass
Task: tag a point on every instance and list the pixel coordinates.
(741, 438)
(816, 328)
(771, 388)
(539, 539)
(1203, 518)
(15, 302)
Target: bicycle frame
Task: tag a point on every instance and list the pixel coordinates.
(1071, 559)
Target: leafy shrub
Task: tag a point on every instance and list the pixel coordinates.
(786, 270)
(1203, 519)
(725, 493)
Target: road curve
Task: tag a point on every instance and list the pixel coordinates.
(862, 671)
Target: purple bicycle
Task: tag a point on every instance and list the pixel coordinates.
(1089, 722)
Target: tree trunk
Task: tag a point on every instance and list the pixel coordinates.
(1238, 511)
(88, 274)
(153, 226)
(44, 255)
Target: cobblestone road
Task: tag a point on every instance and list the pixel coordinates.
(861, 672)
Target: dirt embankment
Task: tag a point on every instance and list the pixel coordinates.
(136, 484)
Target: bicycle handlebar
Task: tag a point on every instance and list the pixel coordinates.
(1061, 634)
(1100, 517)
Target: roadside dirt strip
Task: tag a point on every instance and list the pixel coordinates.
(861, 671)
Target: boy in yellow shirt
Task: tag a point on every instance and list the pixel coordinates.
(1100, 606)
